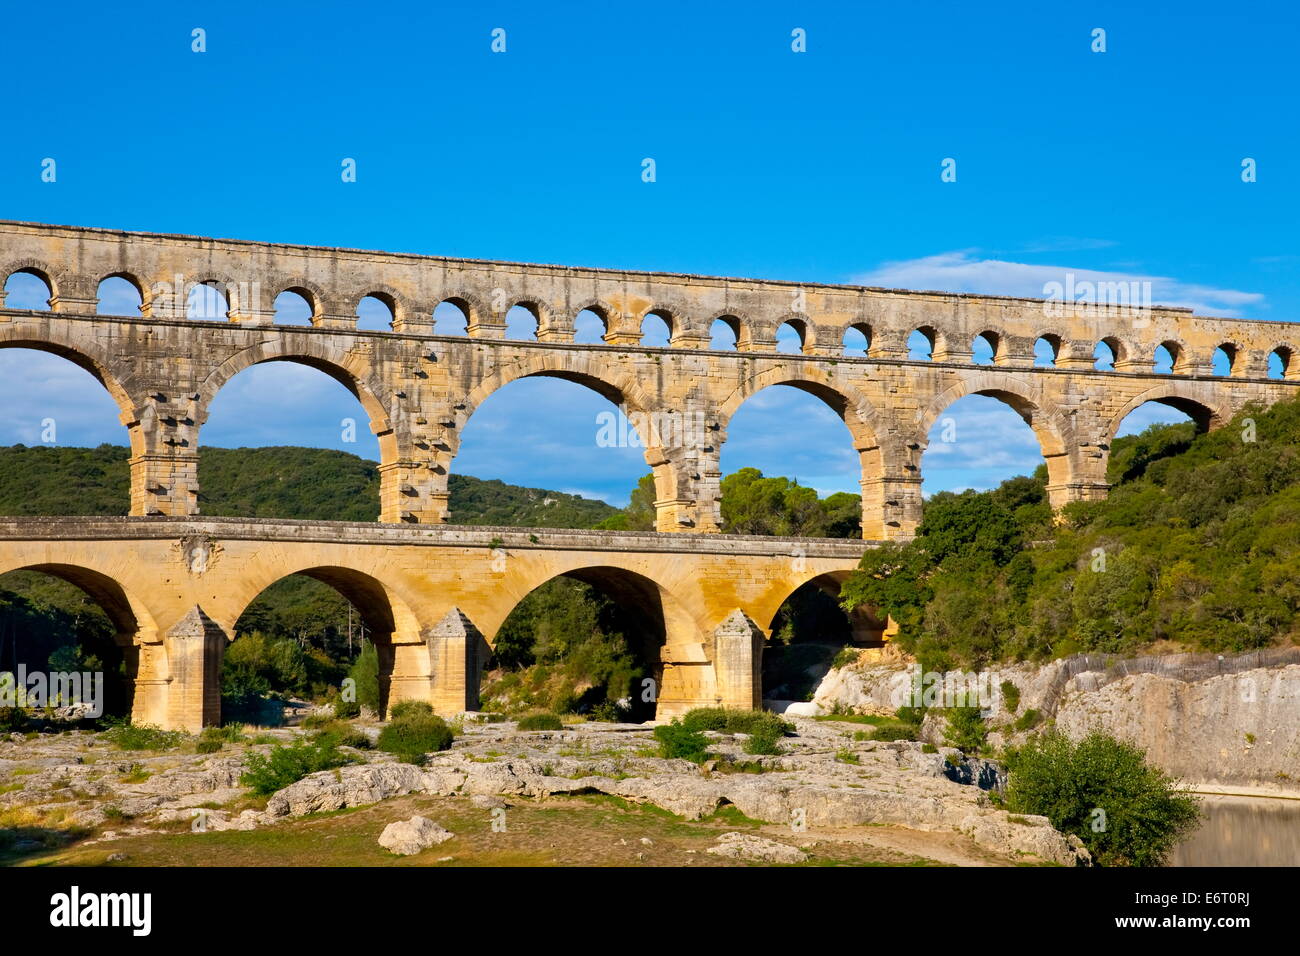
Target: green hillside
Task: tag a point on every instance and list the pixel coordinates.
(285, 482)
(1198, 543)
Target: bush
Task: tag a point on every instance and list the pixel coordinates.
(316, 721)
(210, 741)
(965, 729)
(415, 734)
(410, 708)
(891, 732)
(13, 720)
(847, 655)
(1028, 719)
(677, 741)
(1126, 812)
(540, 722)
(764, 739)
(736, 721)
(365, 674)
(346, 709)
(286, 764)
(1011, 696)
(127, 736)
(343, 734)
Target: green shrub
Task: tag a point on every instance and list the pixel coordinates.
(365, 675)
(410, 708)
(210, 741)
(127, 736)
(417, 733)
(316, 721)
(1011, 696)
(13, 720)
(608, 711)
(1126, 812)
(736, 721)
(540, 722)
(891, 732)
(965, 729)
(911, 715)
(343, 734)
(677, 741)
(847, 655)
(1028, 719)
(763, 739)
(346, 709)
(286, 764)
(929, 749)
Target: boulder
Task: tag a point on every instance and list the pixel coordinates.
(408, 837)
(747, 846)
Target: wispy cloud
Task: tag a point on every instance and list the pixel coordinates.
(968, 271)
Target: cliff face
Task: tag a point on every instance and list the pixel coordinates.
(1206, 719)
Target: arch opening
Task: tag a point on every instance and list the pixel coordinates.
(119, 295)
(376, 312)
(724, 334)
(590, 327)
(1106, 353)
(990, 436)
(293, 307)
(1047, 348)
(920, 345)
(522, 323)
(656, 330)
(857, 340)
(583, 642)
(792, 336)
(810, 634)
(1279, 362)
(1224, 360)
(28, 289)
(79, 629)
(328, 473)
(207, 302)
(451, 317)
(984, 348)
(1166, 358)
(300, 636)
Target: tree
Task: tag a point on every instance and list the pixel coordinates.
(1126, 812)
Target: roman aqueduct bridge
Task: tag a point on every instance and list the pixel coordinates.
(422, 582)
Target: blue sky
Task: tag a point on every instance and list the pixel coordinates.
(822, 166)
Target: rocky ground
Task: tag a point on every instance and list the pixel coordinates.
(510, 796)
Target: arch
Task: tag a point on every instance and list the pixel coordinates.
(988, 341)
(1049, 427)
(305, 351)
(922, 343)
(591, 323)
(457, 315)
(1224, 360)
(657, 329)
(31, 267)
(850, 341)
(1184, 397)
(295, 307)
(1047, 350)
(1118, 354)
(1281, 361)
(1172, 360)
(375, 312)
(660, 622)
(523, 322)
(128, 613)
(213, 301)
(305, 289)
(734, 323)
(113, 300)
(98, 367)
(803, 332)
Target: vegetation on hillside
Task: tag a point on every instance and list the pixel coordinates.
(1198, 542)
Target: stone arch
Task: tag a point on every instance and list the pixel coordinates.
(397, 303)
(668, 636)
(803, 326)
(1054, 342)
(884, 464)
(311, 293)
(740, 325)
(671, 318)
(1187, 398)
(996, 341)
(136, 630)
(1177, 355)
(1050, 427)
(1286, 354)
(1234, 353)
(866, 628)
(146, 294)
(35, 267)
(470, 304)
(619, 388)
(387, 614)
(1119, 348)
(306, 351)
(97, 365)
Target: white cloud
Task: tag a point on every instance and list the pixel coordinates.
(966, 271)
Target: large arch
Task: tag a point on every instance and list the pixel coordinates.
(619, 388)
(1185, 397)
(664, 631)
(1049, 426)
(882, 463)
(306, 352)
(135, 629)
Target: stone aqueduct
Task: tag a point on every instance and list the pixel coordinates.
(174, 583)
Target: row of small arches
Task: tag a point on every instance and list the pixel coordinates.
(120, 296)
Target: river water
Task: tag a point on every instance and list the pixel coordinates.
(1243, 831)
